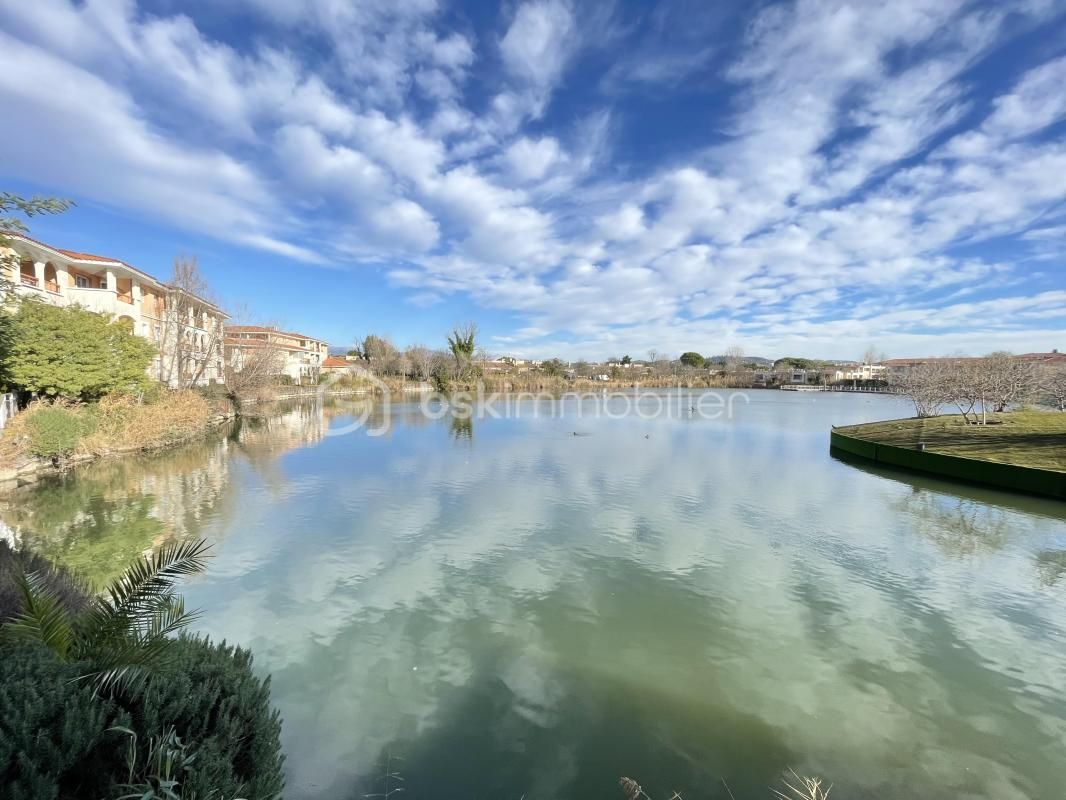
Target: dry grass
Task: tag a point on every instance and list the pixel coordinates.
(122, 422)
(1024, 438)
(796, 788)
(118, 423)
(801, 788)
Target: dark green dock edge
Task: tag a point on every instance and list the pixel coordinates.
(1043, 482)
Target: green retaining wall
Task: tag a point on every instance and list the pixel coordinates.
(1030, 480)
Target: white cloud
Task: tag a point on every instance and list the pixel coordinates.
(530, 159)
(851, 154)
(537, 43)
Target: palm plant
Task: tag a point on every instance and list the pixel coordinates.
(462, 344)
(124, 632)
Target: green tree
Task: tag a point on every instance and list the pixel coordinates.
(553, 367)
(124, 633)
(462, 343)
(691, 359)
(71, 352)
(793, 362)
(28, 207)
(627, 360)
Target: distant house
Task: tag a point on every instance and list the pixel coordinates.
(859, 372)
(186, 330)
(336, 364)
(299, 356)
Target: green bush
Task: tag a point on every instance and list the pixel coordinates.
(222, 710)
(213, 391)
(54, 737)
(57, 740)
(68, 351)
(17, 562)
(55, 431)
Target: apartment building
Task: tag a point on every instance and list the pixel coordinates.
(187, 330)
(297, 355)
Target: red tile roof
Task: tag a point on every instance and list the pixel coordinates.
(85, 256)
(74, 255)
(335, 361)
(267, 329)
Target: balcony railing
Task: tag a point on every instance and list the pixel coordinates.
(29, 280)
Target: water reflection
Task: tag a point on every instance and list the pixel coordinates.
(461, 427)
(685, 601)
(97, 518)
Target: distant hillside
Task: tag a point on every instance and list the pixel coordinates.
(757, 360)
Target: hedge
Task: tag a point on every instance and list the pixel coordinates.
(55, 742)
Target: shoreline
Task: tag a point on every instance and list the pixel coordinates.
(946, 448)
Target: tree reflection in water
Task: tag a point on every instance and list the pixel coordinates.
(95, 519)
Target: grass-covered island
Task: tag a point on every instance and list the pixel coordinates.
(1020, 450)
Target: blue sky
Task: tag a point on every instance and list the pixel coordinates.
(582, 179)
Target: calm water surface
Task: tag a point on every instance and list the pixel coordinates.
(499, 608)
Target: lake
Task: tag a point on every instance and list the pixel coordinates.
(499, 608)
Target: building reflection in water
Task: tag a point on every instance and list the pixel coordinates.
(96, 518)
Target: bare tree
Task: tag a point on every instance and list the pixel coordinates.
(252, 365)
(873, 356)
(190, 343)
(927, 386)
(1052, 384)
(962, 383)
(1005, 379)
(975, 385)
(420, 359)
(379, 352)
(734, 357)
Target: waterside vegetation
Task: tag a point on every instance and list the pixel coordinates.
(103, 696)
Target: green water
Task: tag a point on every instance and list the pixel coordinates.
(502, 609)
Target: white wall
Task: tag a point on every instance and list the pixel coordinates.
(8, 408)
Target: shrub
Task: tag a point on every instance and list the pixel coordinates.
(16, 562)
(54, 739)
(67, 351)
(58, 740)
(55, 430)
(217, 705)
(213, 392)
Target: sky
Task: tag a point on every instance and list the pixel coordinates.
(582, 179)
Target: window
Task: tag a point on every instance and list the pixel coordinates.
(82, 282)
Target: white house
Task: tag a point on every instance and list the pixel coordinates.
(189, 349)
(297, 355)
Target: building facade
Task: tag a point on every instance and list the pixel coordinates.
(296, 355)
(186, 330)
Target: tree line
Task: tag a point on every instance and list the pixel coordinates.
(978, 386)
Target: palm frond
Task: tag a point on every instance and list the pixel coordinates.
(142, 593)
(43, 618)
(124, 666)
(169, 618)
(155, 575)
